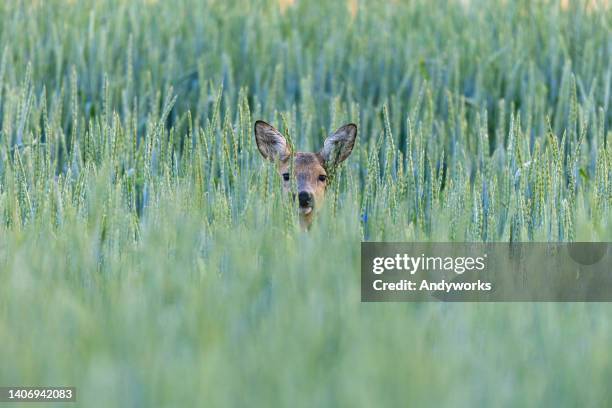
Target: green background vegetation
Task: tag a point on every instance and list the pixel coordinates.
(147, 255)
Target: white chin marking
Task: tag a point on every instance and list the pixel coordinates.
(305, 211)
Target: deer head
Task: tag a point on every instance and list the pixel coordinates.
(310, 170)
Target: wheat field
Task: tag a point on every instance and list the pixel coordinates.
(149, 258)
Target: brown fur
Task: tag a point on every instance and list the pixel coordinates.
(307, 167)
(308, 170)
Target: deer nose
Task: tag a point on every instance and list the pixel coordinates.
(305, 199)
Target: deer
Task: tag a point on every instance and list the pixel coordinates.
(310, 171)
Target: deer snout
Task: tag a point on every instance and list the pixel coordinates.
(306, 199)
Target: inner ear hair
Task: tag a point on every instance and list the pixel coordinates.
(270, 142)
(339, 145)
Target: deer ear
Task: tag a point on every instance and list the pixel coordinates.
(339, 146)
(270, 142)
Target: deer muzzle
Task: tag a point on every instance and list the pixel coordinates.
(306, 201)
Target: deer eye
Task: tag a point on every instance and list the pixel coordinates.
(286, 176)
(322, 178)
